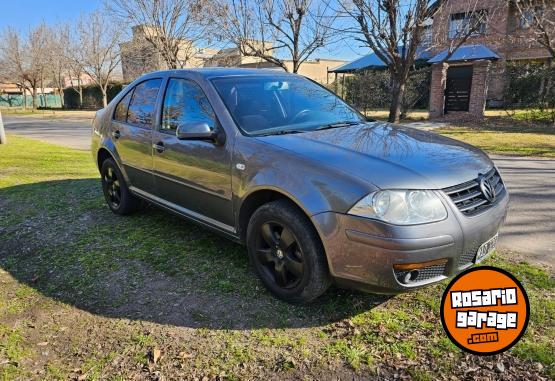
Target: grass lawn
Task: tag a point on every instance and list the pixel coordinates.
(85, 294)
(505, 136)
(498, 132)
(412, 116)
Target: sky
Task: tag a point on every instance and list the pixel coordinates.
(23, 14)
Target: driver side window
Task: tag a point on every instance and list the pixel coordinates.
(185, 102)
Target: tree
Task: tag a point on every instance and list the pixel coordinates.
(171, 27)
(74, 69)
(25, 59)
(394, 29)
(537, 21)
(97, 51)
(278, 30)
(57, 58)
(539, 17)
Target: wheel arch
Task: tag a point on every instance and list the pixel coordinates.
(256, 199)
(102, 155)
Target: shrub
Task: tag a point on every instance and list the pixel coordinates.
(92, 96)
(531, 86)
(371, 89)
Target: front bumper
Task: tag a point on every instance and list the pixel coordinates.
(362, 253)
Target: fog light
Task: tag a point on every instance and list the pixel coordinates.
(411, 276)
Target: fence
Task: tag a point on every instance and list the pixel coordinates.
(92, 98)
(43, 100)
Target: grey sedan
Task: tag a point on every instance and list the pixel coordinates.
(316, 192)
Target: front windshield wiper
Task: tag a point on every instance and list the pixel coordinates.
(345, 123)
(281, 132)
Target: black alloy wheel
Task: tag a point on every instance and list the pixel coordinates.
(117, 194)
(286, 252)
(278, 250)
(112, 188)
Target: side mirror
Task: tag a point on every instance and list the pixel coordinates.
(195, 131)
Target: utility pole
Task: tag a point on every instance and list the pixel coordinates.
(2, 133)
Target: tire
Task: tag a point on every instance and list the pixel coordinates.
(116, 193)
(286, 252)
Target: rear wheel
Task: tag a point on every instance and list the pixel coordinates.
(286, 252)
(115, 190)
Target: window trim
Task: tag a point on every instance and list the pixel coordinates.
(217, 125)
(467, 19)
(132, 91)
(129, 92)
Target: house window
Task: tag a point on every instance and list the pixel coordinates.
(427, 35)
(527, 17)
(468, 24)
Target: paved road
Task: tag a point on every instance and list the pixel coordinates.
(72, 131)
(530, 226)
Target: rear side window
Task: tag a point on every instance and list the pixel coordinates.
(184, 103)
(121, 109)
(143, 103)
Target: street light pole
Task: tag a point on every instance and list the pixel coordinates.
(2, 133)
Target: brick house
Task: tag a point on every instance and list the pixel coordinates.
(139, 57)
(474, 76)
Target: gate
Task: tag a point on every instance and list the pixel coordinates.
(457, 90)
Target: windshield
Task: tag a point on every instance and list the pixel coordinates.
(282, 104)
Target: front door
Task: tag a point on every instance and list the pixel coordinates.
(132, 127)
(194, 175)
(457, 91)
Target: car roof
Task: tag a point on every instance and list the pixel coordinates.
(212, 72)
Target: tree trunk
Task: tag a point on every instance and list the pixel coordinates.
(24, 92)
(34, 99)
(2, 133)
(42, 91)
(80, 93)
(397, 92)
(104, 97)
(61, 93)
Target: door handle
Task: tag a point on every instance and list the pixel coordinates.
(116, 134)
(159, 147)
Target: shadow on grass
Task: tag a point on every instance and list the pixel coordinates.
(60, 238)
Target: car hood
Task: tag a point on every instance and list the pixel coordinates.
(389, 156)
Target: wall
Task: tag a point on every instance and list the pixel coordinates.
(317, 69)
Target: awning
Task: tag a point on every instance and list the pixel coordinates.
(372, 61)
(466, 53)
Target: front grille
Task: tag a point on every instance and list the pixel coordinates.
(424, 273)
(468, 197)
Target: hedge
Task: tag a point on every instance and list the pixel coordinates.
(531, 86)
(371, 89)
(92, 96)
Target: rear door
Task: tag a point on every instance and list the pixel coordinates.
(194, 175)
(132, 125)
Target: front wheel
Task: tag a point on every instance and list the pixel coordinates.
(287, 253)
(115, 190)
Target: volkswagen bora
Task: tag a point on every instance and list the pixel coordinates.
(316, 192)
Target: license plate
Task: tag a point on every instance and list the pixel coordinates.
(486, 248)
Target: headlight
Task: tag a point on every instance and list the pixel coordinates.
(401, 207)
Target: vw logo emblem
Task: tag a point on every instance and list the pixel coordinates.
(487, 188)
